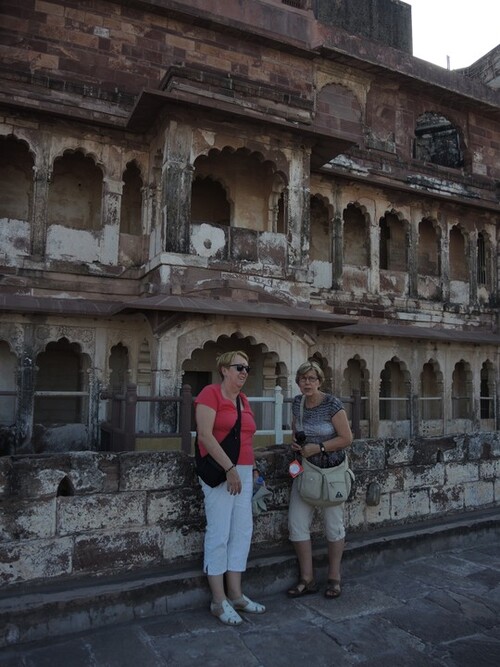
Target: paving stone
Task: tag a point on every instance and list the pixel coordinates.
(477, 651)
(430, 622)
(471, 608)
(370, 636)
(440, 610)
(72, 652)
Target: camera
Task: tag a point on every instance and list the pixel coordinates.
(300, 438)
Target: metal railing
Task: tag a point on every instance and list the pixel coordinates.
(119, 433)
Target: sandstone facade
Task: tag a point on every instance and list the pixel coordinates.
(181, 178)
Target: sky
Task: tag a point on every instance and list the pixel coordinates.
(464, 30)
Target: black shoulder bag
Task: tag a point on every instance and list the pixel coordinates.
(211, 472)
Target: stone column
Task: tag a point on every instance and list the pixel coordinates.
(299, 223)
(337, 250)
(177, 177)
(472, 252)
(444, 250)
(111, 204)
(26, 386)
(41, 180)
(374, 273)
(413, 258)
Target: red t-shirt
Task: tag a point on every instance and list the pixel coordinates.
(225, 418)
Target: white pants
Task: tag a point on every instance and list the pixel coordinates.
(300, 516)
(229, 525)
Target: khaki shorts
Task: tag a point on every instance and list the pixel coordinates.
(300, 517)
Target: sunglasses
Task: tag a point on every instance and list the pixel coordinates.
(240, 367)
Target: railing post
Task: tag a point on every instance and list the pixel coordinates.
(278, 415)
(356, 414)
(129, 425)
(185, 418)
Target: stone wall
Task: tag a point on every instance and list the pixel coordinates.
(93, 514)
(383, 21)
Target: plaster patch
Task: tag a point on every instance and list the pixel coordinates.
(207, 241)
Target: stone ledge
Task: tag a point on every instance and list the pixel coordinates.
(34, 612)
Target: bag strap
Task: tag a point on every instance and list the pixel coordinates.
(301, 412)
(236, 426)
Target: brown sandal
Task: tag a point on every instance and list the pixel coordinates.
(302, 587)
(333, 589)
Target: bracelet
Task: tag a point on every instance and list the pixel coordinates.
(233, 466)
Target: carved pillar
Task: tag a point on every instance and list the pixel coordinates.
(177, 176)
(337, 250)
(412, 258)
(374, 273)
(25, 404)
(111, 203)
(42, 176)
(472, 252)
(444, 249)
(299, 223)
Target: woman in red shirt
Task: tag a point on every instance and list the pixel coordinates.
(228, 507)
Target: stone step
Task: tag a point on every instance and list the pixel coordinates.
(49, 609)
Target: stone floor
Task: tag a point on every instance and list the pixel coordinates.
(441, 608)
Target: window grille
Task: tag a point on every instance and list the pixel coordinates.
(298, 4)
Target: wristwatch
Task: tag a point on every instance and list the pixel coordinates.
(322, 448)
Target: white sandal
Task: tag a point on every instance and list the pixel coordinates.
(245, 604)
(225, 613)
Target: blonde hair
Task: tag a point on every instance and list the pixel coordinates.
(225, 359)
(309, 366)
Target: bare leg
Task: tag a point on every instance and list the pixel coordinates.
(233, 585)
(216, 583)
(335, 551)
(303, 549)
(306, 583)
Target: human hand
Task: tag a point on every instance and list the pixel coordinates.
(308, 449)
(233, 481)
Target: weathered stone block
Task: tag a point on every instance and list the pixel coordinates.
(354, 515)
(35, 559)
(154, 470)
(424, 476)
(272, 250)
(446, 499)
(379, 513)
(86, 472)
(111, 511)
(483, 446)
(399, 452)
(178, 506)
(367, 455)
(94, 472)
(120, 551)
(458, 473)
(409, 504)
(183, 544)
(390, 480)
(270, 527)
(25, 520)
(244, 243)
(39, 478)
(478, 494)
(489, 470)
